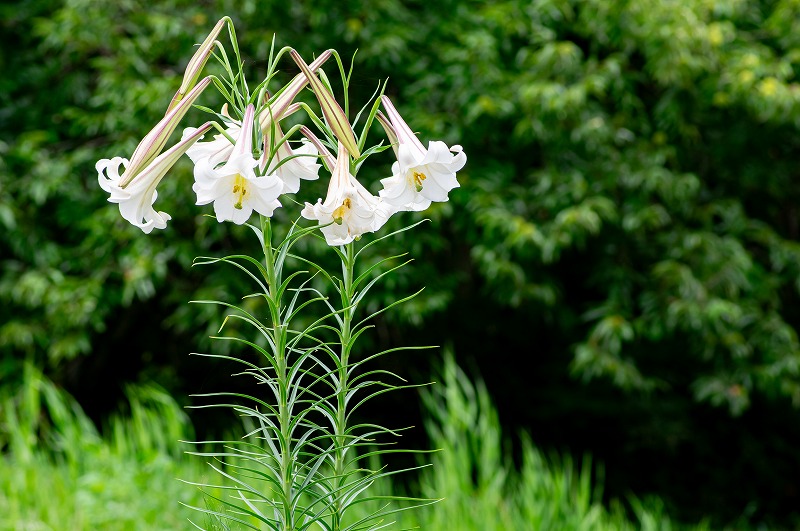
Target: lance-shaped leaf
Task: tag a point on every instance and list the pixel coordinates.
(281, 102)
(152, 144)
(333, 113)
(196, 64)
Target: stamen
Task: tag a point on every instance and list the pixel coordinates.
(239, 189)
(418, 177)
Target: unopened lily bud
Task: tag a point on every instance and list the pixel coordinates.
(282, 102)
(196, 64)
(152, 144)
(333, 113)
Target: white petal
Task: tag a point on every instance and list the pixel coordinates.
(241, 215)
(408, 158)
(459, 160)
(303, 167)
(108, 172)
(263, 207)
(310, 212)
(223, 210)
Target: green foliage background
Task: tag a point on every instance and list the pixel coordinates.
(627, 222)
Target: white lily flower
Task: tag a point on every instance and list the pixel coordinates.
(234, 188)
(301, 163)
(349, 210)
(136, 198)
(420, 175)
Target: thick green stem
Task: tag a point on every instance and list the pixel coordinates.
(340, 429)
(286, 465)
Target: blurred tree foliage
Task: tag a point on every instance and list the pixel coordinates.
(630, 204)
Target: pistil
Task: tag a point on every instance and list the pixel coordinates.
(338, 214)
(417, 179)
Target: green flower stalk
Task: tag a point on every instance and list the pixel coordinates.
(276, 480)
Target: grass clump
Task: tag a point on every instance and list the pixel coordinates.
(482, 488)
(58, 472)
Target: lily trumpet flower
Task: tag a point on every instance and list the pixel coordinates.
(137, 197)
(349, 210)
(234, 188)
(420, 175)
(290, 165)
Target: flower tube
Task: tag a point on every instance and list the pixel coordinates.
(152, 144)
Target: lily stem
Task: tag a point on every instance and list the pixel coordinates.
(340, 428)
(285, 465)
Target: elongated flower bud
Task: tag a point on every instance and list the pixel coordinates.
(333, 113)
(152, 144)
(281, 102)
(196, 64)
